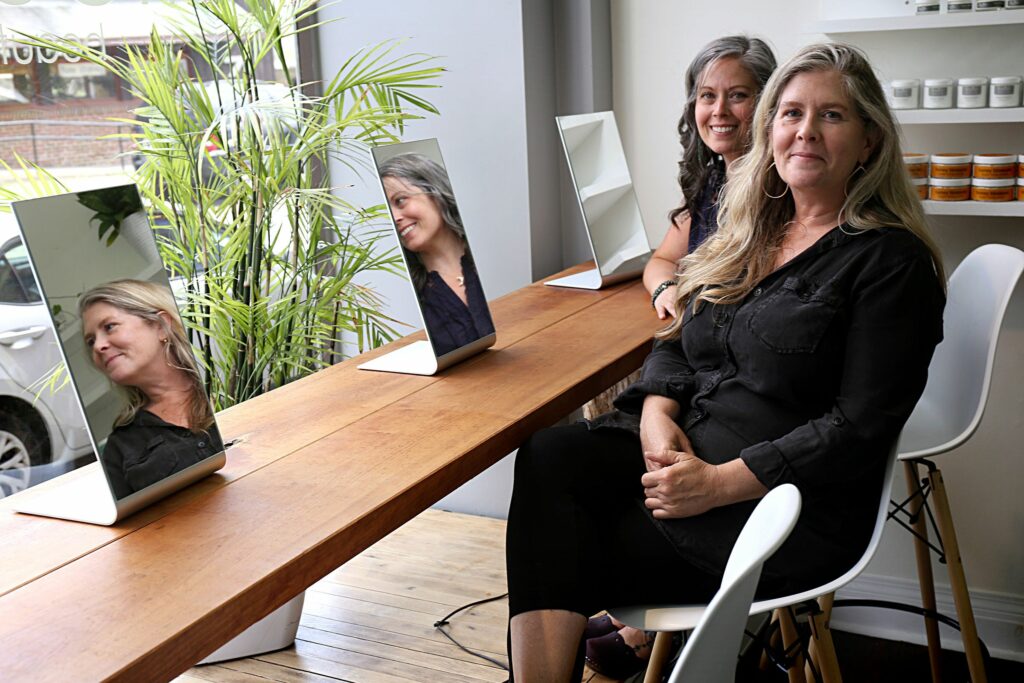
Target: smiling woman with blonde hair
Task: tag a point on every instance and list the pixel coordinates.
(137, 340)
(806, 326)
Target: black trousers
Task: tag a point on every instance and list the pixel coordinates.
(578, 536)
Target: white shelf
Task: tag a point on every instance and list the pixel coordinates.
(985, 115)
(604, 185)
(920, 22)
(1007, 209)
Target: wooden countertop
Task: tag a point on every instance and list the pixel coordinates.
(326, 466)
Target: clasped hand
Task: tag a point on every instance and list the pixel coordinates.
(677, 482)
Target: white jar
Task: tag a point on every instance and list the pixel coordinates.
(927, 6)
(905, 94)
(1004, 91)
(954, 6)
(984, 5)
(972, 93)
(937, 93)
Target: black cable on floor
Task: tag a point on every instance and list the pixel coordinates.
(443, 621)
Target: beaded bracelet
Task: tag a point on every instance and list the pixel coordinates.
(659, 289)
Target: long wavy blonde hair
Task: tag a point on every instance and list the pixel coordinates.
(751, 225)
(147, 300)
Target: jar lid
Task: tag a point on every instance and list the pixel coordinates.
(924, 181)
(1020, 158)
(938, 81)
(915, 158)
(980, 80)
(949, 182)
(989, 159)
(999, 182)
(1020, 181)
(951, 158)
(906, 83)
(1005, 80)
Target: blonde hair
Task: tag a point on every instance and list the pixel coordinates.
(751, 225)
(147, 300)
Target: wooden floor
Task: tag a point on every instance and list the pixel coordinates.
(371, 621)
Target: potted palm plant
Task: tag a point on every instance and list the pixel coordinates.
(269, 255)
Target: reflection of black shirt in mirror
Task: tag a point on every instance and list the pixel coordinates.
(147, 450)
(451, 323)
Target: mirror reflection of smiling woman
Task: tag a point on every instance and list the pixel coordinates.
(136, 339)
(431, 233)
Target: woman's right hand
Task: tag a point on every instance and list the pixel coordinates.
(659, 432)
(665, 304)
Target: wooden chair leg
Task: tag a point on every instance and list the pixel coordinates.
(659, 655)
(924, 569)
(791, 641)
(773, 642)
(821, 649)
(957, 579)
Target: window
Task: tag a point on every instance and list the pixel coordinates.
(17, 283)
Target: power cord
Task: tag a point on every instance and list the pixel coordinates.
(443, 621)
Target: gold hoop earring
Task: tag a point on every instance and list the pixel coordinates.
(846, 185)
(772, 196)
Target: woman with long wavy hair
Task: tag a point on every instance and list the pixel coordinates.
(806, 325)
(137, 340)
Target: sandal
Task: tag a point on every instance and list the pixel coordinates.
(598, 626)
(610, 656)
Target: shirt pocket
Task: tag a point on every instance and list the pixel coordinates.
(151, 464)
(795, 317)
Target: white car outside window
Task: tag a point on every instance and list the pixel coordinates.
(42, 433)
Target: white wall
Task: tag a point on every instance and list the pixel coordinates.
(499, 76)
(652, 44)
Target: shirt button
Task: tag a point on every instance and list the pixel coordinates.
(202, 444)
(757, 291)
(837, 421)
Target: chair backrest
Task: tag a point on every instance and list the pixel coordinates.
(853, 572)
(961, 369)
(716, 640)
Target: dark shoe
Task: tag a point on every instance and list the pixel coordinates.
(609, 656)
(598, 626)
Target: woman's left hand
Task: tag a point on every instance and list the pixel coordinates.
(684, 486)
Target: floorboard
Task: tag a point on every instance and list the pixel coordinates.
(372, 621)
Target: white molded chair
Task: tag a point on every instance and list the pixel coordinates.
(946, 416)
(716, 639)
(671, 618)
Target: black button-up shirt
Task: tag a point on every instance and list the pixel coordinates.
(148, 450)
(809, 380)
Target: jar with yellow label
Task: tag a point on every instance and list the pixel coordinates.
(949, 189)
(1020, 189)
(994, 166)
(1020, 165)
(955, 165)
(917, 164)
(1001, 190)
(921, 185)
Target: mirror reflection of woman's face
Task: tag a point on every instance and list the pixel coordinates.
(416, 214)
(126, 348)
